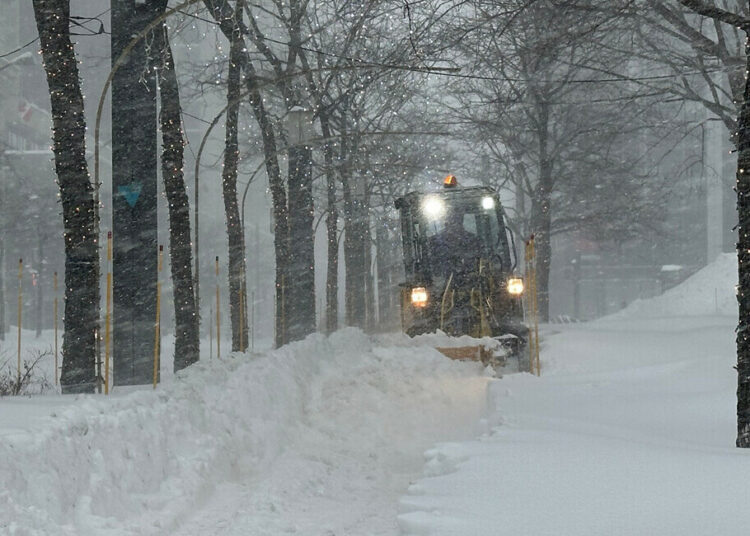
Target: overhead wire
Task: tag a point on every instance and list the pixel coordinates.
(453, 72)
(96, 17)
(19, 49)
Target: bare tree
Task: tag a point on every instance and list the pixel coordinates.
(557, 138)
(235, 232)
(187, 343)
(739, 19)
(233, 30)
(76, 193)
(298, 72)
(705, 56)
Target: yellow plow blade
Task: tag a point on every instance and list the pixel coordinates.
(466, 353)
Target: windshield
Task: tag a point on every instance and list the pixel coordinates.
(457, 231)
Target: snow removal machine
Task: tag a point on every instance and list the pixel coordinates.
(460, 264)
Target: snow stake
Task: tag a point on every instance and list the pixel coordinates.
(54, 315)
(283, 310)
(532, 307)
(218, 314)
(242, 319)
(157, 331)
(20, 306)
(108, 313)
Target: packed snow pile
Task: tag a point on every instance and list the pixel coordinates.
(709, 291)
(439, 339)
(138, 463)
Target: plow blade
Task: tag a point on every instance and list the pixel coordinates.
(467, 353)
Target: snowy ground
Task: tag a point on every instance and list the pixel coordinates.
(629, 431)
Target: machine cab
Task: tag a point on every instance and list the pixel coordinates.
(449, 231)
(459, 261)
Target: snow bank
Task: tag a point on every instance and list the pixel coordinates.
(137, 463)
(709, 291)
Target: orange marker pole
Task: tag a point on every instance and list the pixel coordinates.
(533, 307)
(157, 334)
(108, 313)
(218, 314)
(242, 319)
(54, 315)
(20, 306)
(529, 309)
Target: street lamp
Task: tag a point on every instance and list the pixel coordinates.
(300, 289)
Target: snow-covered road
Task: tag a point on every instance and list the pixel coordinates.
(629, 432)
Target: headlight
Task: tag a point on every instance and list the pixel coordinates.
(488, 203)
(515, 286)
(419, 297)
(433, 207)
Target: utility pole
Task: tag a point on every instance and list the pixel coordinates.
(134, 194)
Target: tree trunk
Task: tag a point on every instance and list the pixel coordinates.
(356, 268)
(278, 194)
(39, 298)
(381, 260)
(76, 192)
(135, 160)
(354, 254)
(332, 275)
(354, 258)
(541, 224)
(280, 220)
(2, 285)
(541, 216)
(301, 286)
(235, 232)
(187, 341)
(384, 247)
(743, 258)
(229, 27)
(370, 308)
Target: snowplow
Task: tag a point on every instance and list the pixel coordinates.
(460, 266)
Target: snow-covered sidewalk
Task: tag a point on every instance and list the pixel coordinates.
(320, 437)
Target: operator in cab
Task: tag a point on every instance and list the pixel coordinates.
(454, 249)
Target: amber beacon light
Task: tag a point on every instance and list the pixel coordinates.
(450, 181)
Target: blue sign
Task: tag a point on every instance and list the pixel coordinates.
(130, 192)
